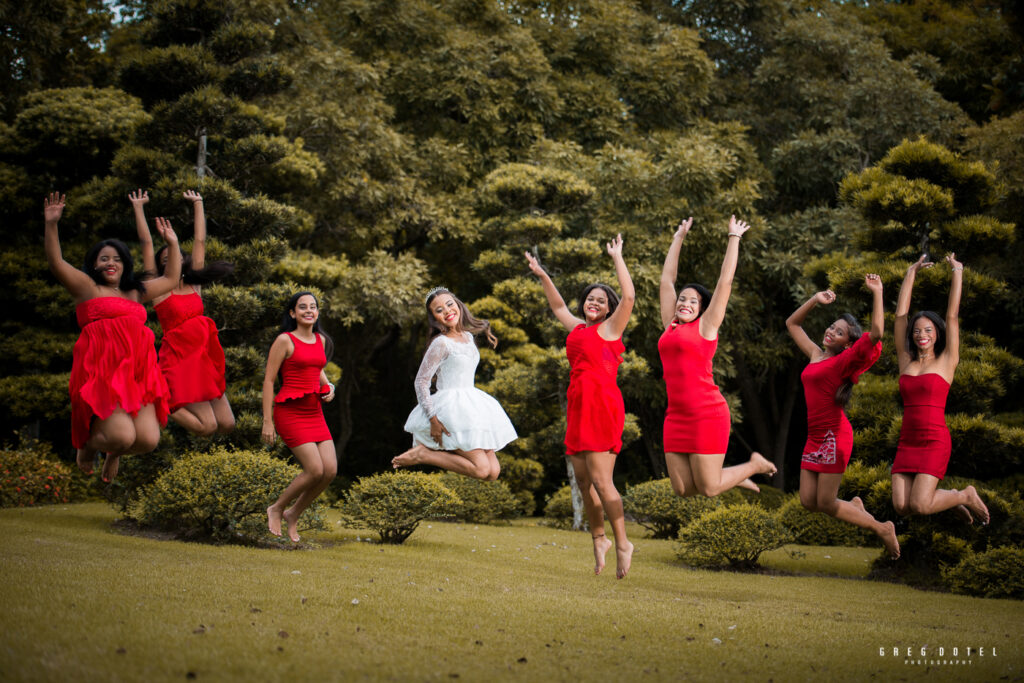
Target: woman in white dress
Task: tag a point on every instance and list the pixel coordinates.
(459, 427)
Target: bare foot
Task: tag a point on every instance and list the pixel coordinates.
(623, 558)
(764, 465)
(86, 459)
(888, 536)
(413, 456)
(964, 514)
(293, 524)
(274, 521)
(749, 484)
(976, 505)
(601, 546)
(859, 504)
(110, 465)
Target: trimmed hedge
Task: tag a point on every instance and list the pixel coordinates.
(558, 508)
(733, 536)
(393, 504)
(482, 501)
(817, 528)
(995, 573)
(657, 508)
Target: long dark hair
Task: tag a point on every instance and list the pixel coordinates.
(290, 324)
(212, 271)
(613, 299)
(940, 330)
(845, 390)
(467, 321)
(129, 281)
(702, 293)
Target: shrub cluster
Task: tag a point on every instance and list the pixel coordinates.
(220, 496)
(733, 536)
(482, 501)
(523, 476)
(558, 508)
(393, 504)
(657, 508)
(995, 573)
(30, 474)
(817, 528)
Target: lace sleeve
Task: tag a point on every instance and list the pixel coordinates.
(432, 359)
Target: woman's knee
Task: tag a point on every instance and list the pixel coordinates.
(226, 425)
(809, 501)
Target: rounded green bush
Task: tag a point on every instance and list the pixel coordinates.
(733, 536)
(558, 509)
(482, 501)
(657, 508)
(221, 496)
(995, 573)
(393, 504)
(31, 475)
(523, 476)
(817, 528)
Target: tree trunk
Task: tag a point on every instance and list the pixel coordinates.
(577, 497)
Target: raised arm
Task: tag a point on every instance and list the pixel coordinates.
(199, 229)
(795, 322)
(613, 327)
(713, 317)
(951, 353)
(172, 273)
(555, 300)
(874, 284)
(667, 289)
(903, 352)
(139, 199)
(279, 350)
(80, 285)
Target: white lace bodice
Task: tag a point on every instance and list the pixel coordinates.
(454, 364)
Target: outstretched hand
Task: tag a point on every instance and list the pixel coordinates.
(615, 246)
(683, 228)
(953, 263)
(53, 207)
(138, 198)
(873, 282)
(737, 227)
(825, 298)
(192, 196)
(163, 227)
(919, 264)
(534, 264)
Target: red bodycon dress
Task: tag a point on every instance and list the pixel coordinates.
(697, 419)
(298, 413)
(596, 414)
(191, 356)
(829, 434)
(114, 365)
(924, 445)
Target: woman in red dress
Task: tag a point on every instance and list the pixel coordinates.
(845, 353)
(298, 356)
(929, 351)
(596, 415)
(697, 420)
(118, 396)
(191, 356)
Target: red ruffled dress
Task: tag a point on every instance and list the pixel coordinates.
(829, 434)
(114, 365)
(191, 356)
(697, 420)
(925, 445)
(596, 414)
(298, 413)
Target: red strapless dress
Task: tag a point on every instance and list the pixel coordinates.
(697, 419)
(829, 433)
(298, 413)
(924, 445)
(596, 414)
(114, 365)
(191, 356)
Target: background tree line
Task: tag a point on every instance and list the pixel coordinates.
(370, 150)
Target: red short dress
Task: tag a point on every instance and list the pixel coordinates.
(697, 419)
(114, 365)
(596, 414)
(191, 356)
(925, 445)
(829, 434)
(298, 413)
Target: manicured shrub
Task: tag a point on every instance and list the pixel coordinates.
(220, 496)
(393, 504)
(558, 509)
(30, 474)
(482, 501)
(733, 536)
(657, 508)
(995, 573)
(817, 528)
(523, 476)
(769, 497)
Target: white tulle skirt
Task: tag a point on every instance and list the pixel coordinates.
(472, 417)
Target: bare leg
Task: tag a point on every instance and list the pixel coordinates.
(114, 436)
(712, 479)
(223, 413)
(475, 463)
(679, 473)
(197, 418)
(927, 499)
(600, 466)
(823, 489)
(312, 472)
(901, 484)
(329, 465)
(595, 512)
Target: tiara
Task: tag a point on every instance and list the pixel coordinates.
(434, 291)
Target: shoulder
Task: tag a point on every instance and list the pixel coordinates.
(283, 341)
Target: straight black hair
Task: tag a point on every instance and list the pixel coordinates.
(129, 281)
(212, 271)
(845, 390)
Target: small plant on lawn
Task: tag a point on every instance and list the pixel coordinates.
(558, 509)
(394, 504)
(995, 573)
(30, 474)
(220, 496)
(817, 528)
(657, 508)
(482, 501)
(733, 536)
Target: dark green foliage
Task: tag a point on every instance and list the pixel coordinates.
(523, 476)
(482, 501)
(817, 528)
(394, 504)
(36, 396)
(31, 474)
(221, 496)
(136, 472)
(995, 573)
(558, 508)
(167, 73)
(657, 508)
(261, 76)
(733, 536)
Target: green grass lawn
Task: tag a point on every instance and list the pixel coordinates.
(82, 602)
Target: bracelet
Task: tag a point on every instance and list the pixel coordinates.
(956, 269)
(736, 234)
